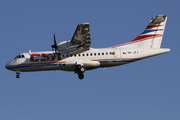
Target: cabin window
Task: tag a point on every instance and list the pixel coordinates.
(106, 53)
(79, 54)
(98, 53)
(70, 55)
(82, 54)
(74, 55)
(91, 54)
(94, 54)
(102, 53)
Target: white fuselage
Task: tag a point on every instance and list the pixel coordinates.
(90, 59)
(76, 54)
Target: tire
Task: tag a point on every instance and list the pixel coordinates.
(81, 76)
(17, 76)
(82, 69)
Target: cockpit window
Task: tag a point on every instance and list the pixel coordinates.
(16, 57)
(19, 56)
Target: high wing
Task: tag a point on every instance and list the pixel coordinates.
(81, 40)
(81, 36)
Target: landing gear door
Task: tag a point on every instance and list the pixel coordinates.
(117, 54)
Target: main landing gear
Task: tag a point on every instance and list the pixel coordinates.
(81, 76)
(80, 70)
(17, 74)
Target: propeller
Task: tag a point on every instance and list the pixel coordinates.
(55, 45)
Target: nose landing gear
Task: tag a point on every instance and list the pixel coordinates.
(17, 74)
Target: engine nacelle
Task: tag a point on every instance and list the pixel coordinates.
(66, 45)
(84, 42)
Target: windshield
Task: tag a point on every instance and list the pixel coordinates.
(19, 56)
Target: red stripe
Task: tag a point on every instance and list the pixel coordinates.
(152, 26)
(143, 37)
(139, 40)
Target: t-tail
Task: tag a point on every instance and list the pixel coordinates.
(151, 37)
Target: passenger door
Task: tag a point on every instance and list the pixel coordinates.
(117, 54)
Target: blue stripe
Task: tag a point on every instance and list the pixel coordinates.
(60, 64)
(116, 61)
(127, 60)
(33, 66)
(19, 67)
(148, 31)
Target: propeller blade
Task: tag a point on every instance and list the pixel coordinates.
(55, 40)
(55, 44)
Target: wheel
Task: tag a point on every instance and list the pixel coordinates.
(81, 76)
(17, 76)
(82, 69)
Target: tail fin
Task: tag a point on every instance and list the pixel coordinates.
(151, 37)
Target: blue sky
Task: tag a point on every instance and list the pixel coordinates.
(144, 90)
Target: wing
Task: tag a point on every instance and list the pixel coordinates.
(82, 37)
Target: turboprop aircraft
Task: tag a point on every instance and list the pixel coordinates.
(77, 55)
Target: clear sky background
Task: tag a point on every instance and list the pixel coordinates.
(144, 90)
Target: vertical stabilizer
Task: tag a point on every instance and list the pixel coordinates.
(151, 37)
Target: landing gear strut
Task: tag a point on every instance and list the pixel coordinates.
(80, 70)
(17, 74)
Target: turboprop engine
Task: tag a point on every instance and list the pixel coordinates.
(80, 40)
(66, 45)
(85, 43)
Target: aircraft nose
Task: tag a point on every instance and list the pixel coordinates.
(7, 66)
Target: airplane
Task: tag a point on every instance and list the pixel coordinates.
(76, 55)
